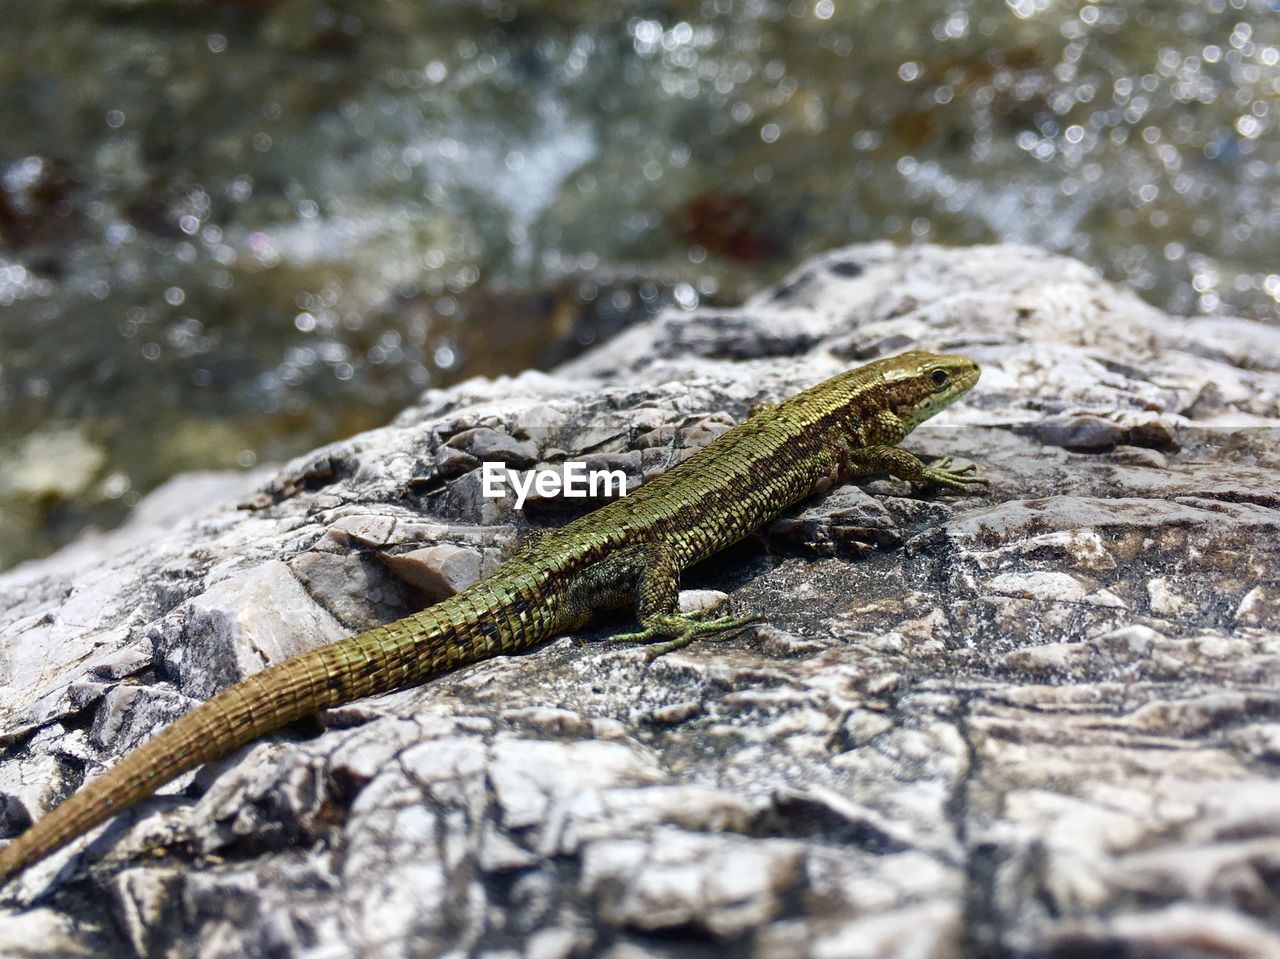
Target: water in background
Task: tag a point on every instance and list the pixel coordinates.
(233, 230)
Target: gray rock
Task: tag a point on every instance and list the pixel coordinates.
(438, 571)
(1042, 719)
(488, 444)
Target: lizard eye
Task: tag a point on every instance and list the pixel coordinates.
(940, 378)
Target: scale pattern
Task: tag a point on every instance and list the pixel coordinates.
(629, 551)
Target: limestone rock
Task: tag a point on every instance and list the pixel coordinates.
(1041, 719)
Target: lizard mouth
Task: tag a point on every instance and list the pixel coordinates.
(966, 378)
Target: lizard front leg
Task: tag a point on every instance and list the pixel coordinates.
(658, 607)
(870, 460)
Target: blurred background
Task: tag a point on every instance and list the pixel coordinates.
(231, 231)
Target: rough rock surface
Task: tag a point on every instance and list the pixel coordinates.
(1039, 720)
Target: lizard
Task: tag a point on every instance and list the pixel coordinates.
(630, 551)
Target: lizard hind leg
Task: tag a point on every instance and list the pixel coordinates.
(658, 608)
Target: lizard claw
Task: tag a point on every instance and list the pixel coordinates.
(961, 478)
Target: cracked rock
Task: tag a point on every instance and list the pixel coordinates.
(1039, 719)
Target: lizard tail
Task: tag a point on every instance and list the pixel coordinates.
(403, 653)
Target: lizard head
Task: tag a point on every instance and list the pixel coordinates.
(921, 384)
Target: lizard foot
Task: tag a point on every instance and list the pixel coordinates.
(960, 478)
(678, 630)
(645, 635)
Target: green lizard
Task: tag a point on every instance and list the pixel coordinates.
(632, 550)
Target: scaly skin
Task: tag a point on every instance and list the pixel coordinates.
(630, 551)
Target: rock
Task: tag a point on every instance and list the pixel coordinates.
(438, 571)
(490, 445)
(1037, 720)
(43, 932)
(240, 624)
